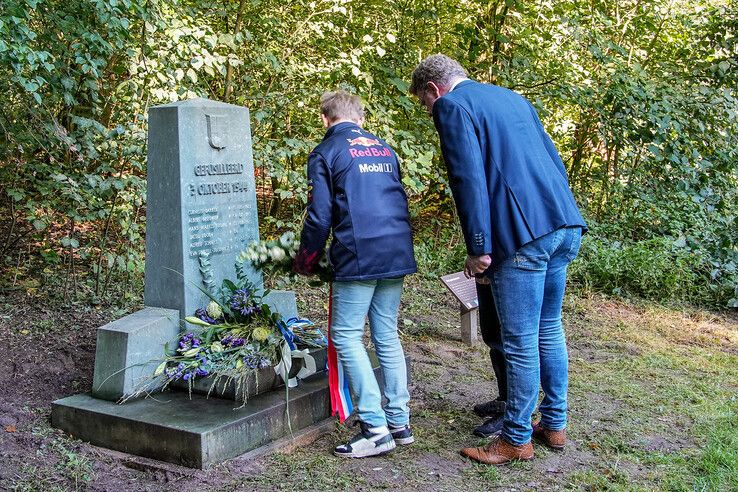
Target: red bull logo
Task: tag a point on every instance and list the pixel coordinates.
(363, 141)
(370, 152)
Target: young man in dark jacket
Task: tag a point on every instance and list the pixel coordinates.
(356, 193)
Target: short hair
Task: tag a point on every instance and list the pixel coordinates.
(340, 105)
(439, 69)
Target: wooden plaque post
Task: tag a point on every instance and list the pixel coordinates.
(465, 290)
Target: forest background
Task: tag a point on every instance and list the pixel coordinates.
(639, 96)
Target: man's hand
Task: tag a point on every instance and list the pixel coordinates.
(305, 261)
(476, 264)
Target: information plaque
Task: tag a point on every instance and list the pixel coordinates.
(465, 291)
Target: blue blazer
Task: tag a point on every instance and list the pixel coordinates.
(508, 181)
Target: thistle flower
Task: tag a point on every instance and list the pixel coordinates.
(260, 334)
(214, 310)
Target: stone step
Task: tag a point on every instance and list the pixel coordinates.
(197, 431)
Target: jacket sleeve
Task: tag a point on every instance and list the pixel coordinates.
(317, 225)
(465, 165)
(548, 143)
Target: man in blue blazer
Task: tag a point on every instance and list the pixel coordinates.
(522, 228)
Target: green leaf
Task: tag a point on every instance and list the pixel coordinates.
(229, 285)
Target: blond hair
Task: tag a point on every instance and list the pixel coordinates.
(340, 105)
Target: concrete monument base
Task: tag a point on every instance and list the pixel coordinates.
(198, 432)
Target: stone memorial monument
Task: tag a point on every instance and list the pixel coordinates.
(201, 207)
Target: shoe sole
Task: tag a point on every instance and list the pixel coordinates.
(558, 449)
(380, 450)
(404, 441)
(497, 464)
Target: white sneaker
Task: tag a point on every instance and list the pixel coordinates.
(371, 441)
(402, 434)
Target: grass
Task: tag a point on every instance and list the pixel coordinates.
(673, 376)
(653, 394)
(653, 406)
(72, 470)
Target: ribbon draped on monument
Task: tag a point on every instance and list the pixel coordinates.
(290, 351)
(337, 382)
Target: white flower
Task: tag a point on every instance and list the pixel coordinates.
(277, 254)
(287, 239)
(263, 257)
(214, 310)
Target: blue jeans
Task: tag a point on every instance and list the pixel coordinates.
(529, 292)
(380, 299)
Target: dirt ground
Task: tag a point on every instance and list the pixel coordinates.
(621, 355)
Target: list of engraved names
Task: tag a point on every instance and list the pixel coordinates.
(220, 218)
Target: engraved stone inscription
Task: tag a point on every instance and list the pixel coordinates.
(203, 188)
(219, 219)
(220, 229)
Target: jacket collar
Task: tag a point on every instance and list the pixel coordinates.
(338, 127)
(463, 83)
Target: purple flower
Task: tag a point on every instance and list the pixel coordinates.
(231, 341)
(203, 315)
(187, 376)
(251, 361)
(256, 361)
(242, 302)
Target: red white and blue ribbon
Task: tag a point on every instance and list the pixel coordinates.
(337, 380)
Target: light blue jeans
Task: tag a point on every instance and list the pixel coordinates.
(380, 300)
(529, 292)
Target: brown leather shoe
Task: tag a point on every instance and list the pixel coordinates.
(499, 452)
(551, 438)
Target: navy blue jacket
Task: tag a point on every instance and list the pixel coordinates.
(355, 191)
(508, 181)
